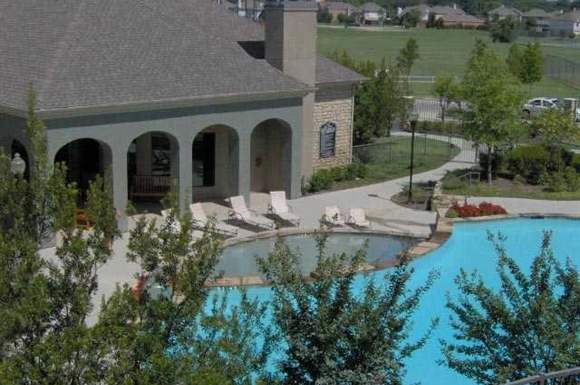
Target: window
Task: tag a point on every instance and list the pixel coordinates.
(327, 140)
(204, 160)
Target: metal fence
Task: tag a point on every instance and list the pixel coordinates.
(562, 69)
(562, 377)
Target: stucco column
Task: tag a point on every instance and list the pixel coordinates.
(185, 172)
(120, 189)
(245, 166)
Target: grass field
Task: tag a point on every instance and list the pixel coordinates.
(390, 159)
(442, 51)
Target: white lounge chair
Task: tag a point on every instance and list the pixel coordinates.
(332, 216)
(175, 225)
(241, 212)
(200, 221)
(358, 218)
(279, 207)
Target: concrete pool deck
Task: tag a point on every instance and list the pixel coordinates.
(387, 217)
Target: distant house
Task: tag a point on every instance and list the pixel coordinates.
(371, 13)
(539, 18)
(447, 16)
(503, 12)
(336, 8)
(566, 24)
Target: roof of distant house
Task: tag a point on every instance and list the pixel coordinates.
(339, 6)
(504, 11)
(536, 12)
(100, 53)
(446, 10)
(568, 16)
(371, 7)
(461, 18)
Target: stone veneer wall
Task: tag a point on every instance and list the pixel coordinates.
(334, 104)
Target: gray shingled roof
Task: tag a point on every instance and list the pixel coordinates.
(371, 7)
(504, 11)
(98, 53)
(328, 71)
(536, 12)
(87, 53)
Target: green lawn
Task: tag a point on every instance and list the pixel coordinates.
(484, 190)
(442, 51)
(390, 159)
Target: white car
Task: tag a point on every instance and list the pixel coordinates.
(537, 105)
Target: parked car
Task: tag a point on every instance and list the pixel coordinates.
(537, 105)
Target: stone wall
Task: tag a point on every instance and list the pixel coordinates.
(333, 104)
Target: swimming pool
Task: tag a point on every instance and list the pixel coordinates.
(240, 259)
(468, 248)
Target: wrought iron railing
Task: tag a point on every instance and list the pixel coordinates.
(561, 377)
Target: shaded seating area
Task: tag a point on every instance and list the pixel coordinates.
(201, 221)
(279, 207)
(240, 212)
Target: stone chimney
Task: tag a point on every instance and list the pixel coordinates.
(291, 38)
(290, 46)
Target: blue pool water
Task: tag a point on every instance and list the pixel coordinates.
(468, 248)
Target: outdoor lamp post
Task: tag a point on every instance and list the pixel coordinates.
(18, 165)
(413, 118)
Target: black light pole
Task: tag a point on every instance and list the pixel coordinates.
(413, 120)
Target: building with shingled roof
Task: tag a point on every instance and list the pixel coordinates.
(180, 94)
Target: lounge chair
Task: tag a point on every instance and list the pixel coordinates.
(279, 207)
(332, 216)
(241, 212)
(358, 218)
(200, 221)
(175, 225)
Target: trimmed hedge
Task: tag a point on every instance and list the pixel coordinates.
(324, 179)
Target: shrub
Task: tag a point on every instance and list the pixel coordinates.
(324, 178)
(531, 162)
(452, 182)
(451, 213)
(324, 16)
(572, 179)
(498, 161)
(472, 211)
(556, 182)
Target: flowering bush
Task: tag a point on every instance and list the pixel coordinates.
(470, 211)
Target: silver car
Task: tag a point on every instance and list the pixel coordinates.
(537, 105)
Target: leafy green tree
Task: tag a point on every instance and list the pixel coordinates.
(503, 30)
(324, 16)
(495, 99)
(407, 56)
(168, 330)
(532, 65)
(555, 127)
(411, 19)
(444, 88)
(46, 301)
(514, 60)
(529, 325)
(333, 336)
(378, 101)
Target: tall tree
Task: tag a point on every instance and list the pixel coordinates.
(334, 336)
(444, 88)
(503, 31)
(407, 56)
(514, 60)
(532, 65)
(529, 325)
(168, 330)
(495, 100)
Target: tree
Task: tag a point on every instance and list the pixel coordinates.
(503, 30)
(445, 89)
(532, 65)
(45, 302)
(378, 101)
(514, 60)
(411, 19)
(555, 127)
(334, 336)
(323, 16)
(167, 331)
(529, 325)
(495, 99)
(407, 56)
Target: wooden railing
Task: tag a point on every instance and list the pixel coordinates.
(150, 186)
(561, 377)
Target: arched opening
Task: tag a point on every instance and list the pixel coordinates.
(215, 163)
(84, 160)
(18, 148)
(152, 169)
(271, 156)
